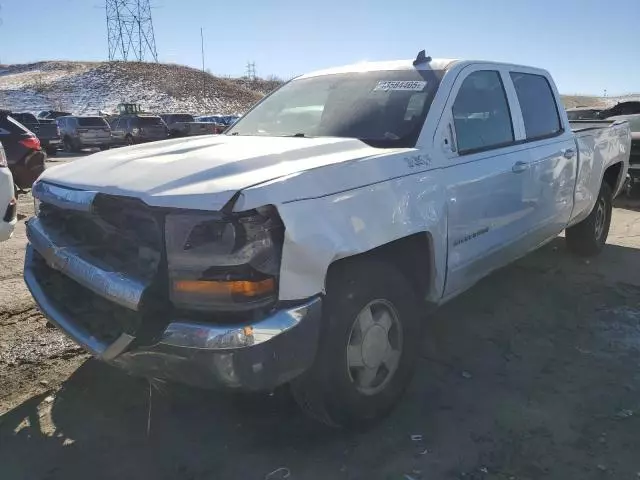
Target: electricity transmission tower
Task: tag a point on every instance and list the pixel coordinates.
(130, 30)
(251, 71)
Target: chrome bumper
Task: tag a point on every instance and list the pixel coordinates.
(248, 355)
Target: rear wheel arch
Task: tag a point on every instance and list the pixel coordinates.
(613, 176)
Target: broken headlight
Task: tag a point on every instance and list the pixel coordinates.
(224, 262)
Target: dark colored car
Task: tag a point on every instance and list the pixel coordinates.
(132, 129)
(46, 132)
(634, 157)
(24, 154)
(184, 125)
(583, 113)
(51, 115)
(84, 132)
(219, 121)
(621, 108)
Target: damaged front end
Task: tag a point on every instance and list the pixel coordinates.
(179, 295)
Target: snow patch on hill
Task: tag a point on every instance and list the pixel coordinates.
(89, 88)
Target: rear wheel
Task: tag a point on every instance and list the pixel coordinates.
(589, 236)
(67, 145)
(368, 346)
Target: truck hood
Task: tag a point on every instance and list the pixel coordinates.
(202, 172)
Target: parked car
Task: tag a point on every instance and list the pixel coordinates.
(132, 129)
(283, 252)
(634, 158)
(621, 108)
(184, 125)
(51, 115)
(217, 120)
(83, 132)
(583, 113)
(46, 132)
(24, 153)
(8, 210)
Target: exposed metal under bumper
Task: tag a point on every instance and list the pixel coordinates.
(249, 355)
(114, 286)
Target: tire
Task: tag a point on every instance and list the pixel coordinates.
(588, 237)
(338, 391)
(51, 151)
(104, 147)
(128, 140)
(67, 145)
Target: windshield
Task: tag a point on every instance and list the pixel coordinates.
(92, 122)
(382, 108)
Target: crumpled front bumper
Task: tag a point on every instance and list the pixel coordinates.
(251, 355)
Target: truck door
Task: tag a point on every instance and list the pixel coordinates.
(116, 131)
(551, 155)
(485, 176)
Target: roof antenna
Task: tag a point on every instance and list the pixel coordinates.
(421, 58)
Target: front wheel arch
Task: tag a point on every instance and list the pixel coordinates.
(412, 255)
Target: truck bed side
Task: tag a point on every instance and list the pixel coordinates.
(600, 144)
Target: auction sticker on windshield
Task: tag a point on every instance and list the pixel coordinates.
(401, 85)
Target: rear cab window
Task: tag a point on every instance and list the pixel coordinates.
(481, 114)
(538, 105)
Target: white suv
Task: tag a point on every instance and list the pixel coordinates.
(7, 199)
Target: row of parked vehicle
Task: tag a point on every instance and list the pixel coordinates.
(131, 125)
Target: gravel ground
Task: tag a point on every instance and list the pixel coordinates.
(531, 374)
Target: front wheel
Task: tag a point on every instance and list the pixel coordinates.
(588, 237)
(368, 346)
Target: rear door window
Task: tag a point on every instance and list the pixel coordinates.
(538, 105)
(481, 113)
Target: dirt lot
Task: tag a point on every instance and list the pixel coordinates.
(531, 374)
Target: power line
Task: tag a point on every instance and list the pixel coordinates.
(130, 30)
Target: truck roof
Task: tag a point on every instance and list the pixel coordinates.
(433, 64)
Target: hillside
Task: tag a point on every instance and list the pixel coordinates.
(89, 87)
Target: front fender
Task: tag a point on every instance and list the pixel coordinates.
(321, 230)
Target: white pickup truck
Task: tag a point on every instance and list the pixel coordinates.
(8, 207)
(305, 245)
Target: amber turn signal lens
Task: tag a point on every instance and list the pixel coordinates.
(216, 287)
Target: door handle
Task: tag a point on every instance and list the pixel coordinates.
(568, 153)
(519, 167)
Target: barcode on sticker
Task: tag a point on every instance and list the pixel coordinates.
(401, 85)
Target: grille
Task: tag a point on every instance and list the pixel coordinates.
(123, 233)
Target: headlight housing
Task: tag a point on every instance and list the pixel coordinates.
(223, 262)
